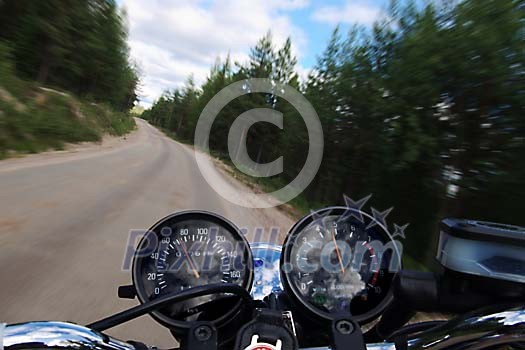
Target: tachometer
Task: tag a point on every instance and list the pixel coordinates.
(189, 249)
(333, 264)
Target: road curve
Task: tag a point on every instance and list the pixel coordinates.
(65, 219)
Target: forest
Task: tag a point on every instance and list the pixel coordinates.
(65, 74)
(79, 46)
(426, 111)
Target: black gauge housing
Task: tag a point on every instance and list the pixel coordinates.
(187, 249)
(362, 291)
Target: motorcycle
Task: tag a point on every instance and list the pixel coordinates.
(336, 283)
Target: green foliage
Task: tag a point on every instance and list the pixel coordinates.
(34, 119)
(75, 45)
(105, 120)
(6, 66)
(7, 72)
(425, 111)
(52, 119)
(79, 46)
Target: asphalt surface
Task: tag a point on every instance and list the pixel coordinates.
(65, 219)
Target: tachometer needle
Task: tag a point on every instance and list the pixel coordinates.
(195, 272)
(337, 251)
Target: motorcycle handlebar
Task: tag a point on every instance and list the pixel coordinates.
(70, 336)
(56, 335)
(489, 327)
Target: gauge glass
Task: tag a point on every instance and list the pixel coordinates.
(191, 249)
(335, 265)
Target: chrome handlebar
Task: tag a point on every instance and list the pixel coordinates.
(57, 335)
(477, 330)
(481, 329)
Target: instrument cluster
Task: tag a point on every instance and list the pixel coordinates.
(332, 262)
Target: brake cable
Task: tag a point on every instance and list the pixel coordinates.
(147, 307)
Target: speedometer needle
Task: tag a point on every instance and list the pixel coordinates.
(337, 251)
(195, 272)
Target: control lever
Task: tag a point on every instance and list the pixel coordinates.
(127, 292)
(430, 292)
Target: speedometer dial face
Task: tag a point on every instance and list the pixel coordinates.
(333, 264)
(191, 249)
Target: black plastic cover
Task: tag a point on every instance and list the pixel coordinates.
(484, 231)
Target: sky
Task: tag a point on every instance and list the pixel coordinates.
(171, 39)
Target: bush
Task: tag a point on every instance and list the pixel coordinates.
(34, 120)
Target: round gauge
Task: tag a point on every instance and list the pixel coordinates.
(189, 249)
(334, 263)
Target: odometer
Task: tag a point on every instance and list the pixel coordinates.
(189, 249)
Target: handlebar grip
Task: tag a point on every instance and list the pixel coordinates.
(428, 292)
(417, 290)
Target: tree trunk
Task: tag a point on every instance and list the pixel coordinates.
(45, 66)
(181, 120)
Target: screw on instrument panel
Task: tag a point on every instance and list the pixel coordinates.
(344, 327)
(203, 333)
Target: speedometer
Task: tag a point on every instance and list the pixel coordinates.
(334, 264)
(188, 249)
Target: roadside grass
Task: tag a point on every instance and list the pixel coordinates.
(107, 120)
(34, 119)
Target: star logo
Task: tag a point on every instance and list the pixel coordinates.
(354, 207)
(379, 218)
(400, 231)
